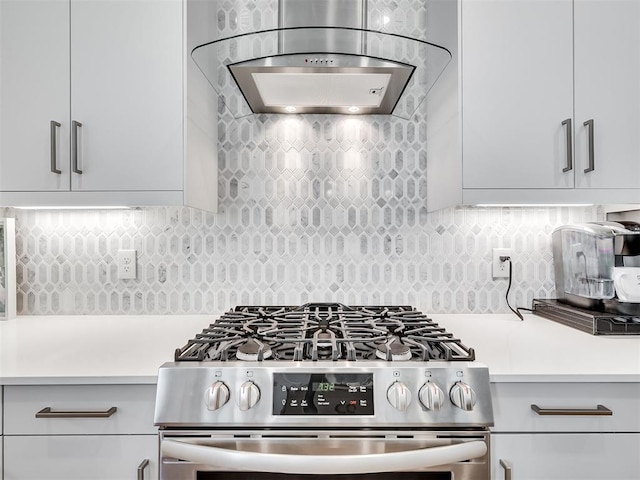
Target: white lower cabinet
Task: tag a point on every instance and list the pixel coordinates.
(95, 457)
(566, 431)
(565, 456)
(90, 432)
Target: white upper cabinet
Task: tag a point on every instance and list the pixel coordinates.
(517, 89)
(530, 73)
(607, 91)
(93, 106)
(126, 91)
(34, 92)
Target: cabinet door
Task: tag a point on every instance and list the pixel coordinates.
(566, 456)
(93, 457)
(126, 84)
(34, 91)
(607, 91)
(517, 89)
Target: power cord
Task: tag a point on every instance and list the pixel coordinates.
(517, 309)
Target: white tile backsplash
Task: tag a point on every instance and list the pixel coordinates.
(272, 252)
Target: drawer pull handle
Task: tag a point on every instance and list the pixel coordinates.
(508, 469)
(599, 410)
(141, 468)
(47, 413)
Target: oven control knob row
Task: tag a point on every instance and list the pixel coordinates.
(462, 396)
(399, 396)
(431, 396)
(216, 395)
(249, 395)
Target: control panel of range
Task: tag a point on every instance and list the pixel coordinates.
(314, 393)
(323, 394)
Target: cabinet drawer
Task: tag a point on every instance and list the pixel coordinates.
(561, 456)
(512, 405)
(79, 409)
(69, 457)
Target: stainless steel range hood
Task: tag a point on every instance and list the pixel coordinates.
(321, 59)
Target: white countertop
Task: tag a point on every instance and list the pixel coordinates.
(92, 349)
(538, 349)
(129, 349)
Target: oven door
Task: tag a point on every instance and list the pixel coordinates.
(265, 455)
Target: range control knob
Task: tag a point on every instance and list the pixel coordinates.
(216, 395)
(399, 396)
(249, 395)
(462, 396)
(431, 396)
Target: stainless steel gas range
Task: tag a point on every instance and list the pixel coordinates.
(324, 390)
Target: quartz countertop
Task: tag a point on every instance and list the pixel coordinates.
(129, 349)
(538, 350)
(92, 349)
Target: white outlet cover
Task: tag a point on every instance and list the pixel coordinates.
(126, 264)
(501, 269)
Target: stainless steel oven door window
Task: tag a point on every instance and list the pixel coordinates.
(428, 455)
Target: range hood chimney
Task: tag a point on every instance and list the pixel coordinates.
(322, 58)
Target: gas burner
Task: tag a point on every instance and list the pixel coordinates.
(394, 350)
(324, 346)
(324, 332)
(252, 349)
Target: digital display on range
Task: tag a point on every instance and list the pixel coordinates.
(323, 394)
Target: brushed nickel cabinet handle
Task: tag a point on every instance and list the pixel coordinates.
(54, 148)
(569, 137)
(74, 130)
(47, 413)
(508, 469)
(592, 166)
(141, 468)
(599, 410)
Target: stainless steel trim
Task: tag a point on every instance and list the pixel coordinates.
(508, 469)
(47, 413)
(54, 148)
(141, 468)
(74, 132)
(281, 21)
(175, 410)
(598, 411)
(364, 47)
(243, 74)
(591, 155)
(569, 136)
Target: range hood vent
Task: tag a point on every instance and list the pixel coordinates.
(321, 59)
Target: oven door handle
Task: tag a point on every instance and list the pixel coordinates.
(226, 459)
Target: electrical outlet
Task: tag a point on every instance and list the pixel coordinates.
(126, 264)
(499, 268)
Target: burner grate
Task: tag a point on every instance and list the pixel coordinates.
(324, 331)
